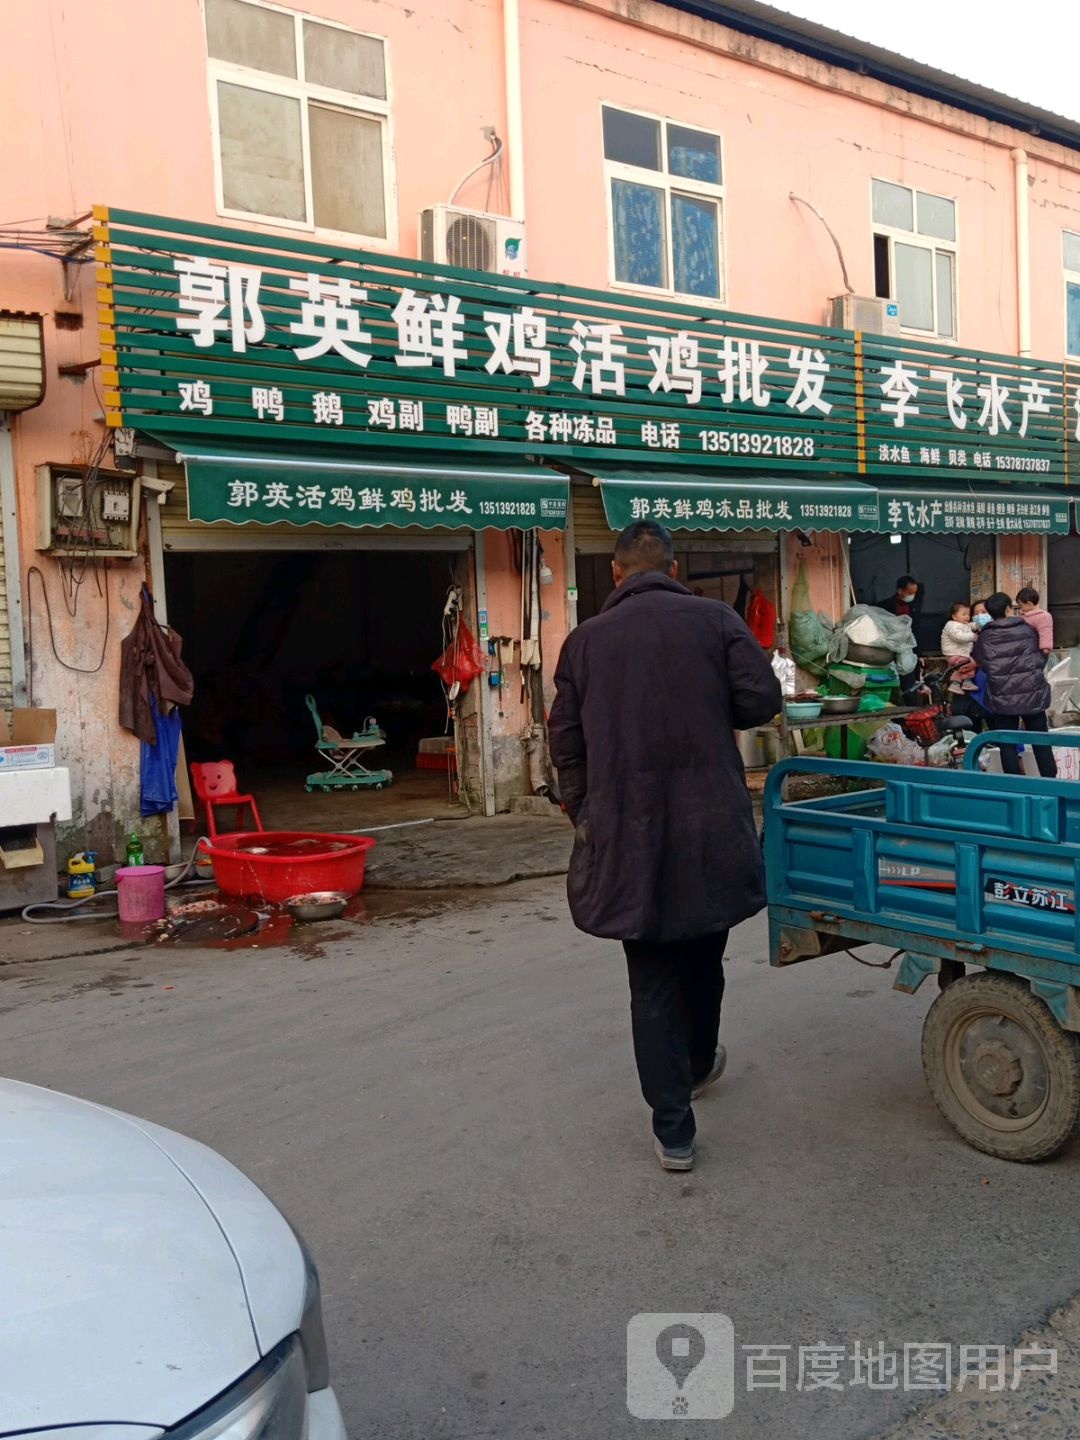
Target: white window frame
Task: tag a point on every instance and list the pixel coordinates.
(921, 242)
(296, 88)
(1069, 277)
(669, 184)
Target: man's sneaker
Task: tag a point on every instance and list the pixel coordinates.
(675, 1157)
(700, 1086)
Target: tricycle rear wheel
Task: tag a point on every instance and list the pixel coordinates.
(1001, 1069)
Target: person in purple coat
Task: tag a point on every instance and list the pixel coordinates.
(666, 855)
(1017, 690)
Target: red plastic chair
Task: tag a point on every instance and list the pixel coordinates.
(215, 785)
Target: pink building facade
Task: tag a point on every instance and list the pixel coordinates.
(642, 150)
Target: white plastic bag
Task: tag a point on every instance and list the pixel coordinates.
(892, 632)
(890, 743)
(784, 669)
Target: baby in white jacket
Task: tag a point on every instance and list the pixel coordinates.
(957, 640)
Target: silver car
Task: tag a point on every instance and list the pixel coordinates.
(147, 1286)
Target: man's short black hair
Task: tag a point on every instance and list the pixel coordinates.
(998, 605)
(644, 545)
(1027, 596)
(906, 580)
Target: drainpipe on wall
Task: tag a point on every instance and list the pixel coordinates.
(9, 548)
(515, 135)
(1023, 253)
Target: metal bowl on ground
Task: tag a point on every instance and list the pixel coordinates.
(869, 654)
(321, 905)
(840, 705)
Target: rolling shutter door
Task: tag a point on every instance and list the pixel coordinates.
(180, 533)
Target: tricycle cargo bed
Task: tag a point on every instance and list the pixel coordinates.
(958, 865)
(950, 869)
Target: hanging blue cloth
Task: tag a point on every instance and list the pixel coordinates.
(157, 763)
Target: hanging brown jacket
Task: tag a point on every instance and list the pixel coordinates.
(150, 664)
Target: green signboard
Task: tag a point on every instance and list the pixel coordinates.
(700, 502)
(216, 333)
(268, 491)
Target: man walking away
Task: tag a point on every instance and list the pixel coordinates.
(1017, 690)
(1041, 621)
(666, 855)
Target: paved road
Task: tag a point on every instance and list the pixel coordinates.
(445, 1102)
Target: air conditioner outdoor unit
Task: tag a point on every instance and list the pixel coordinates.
(865, 312)
(472, 240)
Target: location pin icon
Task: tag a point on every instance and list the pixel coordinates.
(680, 1349)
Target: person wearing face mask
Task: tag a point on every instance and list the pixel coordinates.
(980, 616)
(1017, 691)
(907, 600)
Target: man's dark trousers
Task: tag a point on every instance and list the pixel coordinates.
(676, 990)
(1010, 755)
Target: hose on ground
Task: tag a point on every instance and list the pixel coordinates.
(60, 911)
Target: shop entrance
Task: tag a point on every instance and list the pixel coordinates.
(358, 630)
(949, 567)
(730, 566)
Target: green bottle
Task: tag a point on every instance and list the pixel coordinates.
(135, 850)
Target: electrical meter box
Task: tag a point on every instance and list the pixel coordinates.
(84, 512)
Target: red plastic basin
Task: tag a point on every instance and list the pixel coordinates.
(278, 864)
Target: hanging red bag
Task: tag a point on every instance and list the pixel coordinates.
(761, 618)
(462, 660)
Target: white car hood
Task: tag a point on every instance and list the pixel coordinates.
(121, 1299)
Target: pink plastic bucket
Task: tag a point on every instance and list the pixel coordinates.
(141, 893)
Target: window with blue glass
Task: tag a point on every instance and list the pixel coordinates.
(666, 193)
(1071, 257)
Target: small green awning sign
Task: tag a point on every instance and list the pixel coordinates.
(720, 506)
(246, 490)
(707, 504)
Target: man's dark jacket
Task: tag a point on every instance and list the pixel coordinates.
(1007, 652)
(650, 692)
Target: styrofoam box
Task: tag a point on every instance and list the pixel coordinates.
(34, 797)
(27, 757)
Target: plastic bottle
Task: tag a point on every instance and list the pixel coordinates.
(82, 875)
(135, 853)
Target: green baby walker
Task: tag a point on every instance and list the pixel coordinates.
(347, 770)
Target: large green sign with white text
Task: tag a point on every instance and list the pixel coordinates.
(217, 334)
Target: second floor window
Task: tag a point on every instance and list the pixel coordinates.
(301, 119)
(666, 204)
(1071, 258)
(915, 256)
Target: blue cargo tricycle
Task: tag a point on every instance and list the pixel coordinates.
(972, 877)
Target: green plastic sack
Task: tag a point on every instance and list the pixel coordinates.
(811, 631)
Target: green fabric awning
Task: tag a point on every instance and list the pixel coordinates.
(702, 501)
(243, 488)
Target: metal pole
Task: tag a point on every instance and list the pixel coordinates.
(9, 549)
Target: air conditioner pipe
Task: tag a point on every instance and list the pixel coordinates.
(497, 149)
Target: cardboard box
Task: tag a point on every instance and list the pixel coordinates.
(27, 739)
